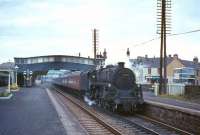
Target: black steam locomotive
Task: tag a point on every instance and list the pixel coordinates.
(113, 87)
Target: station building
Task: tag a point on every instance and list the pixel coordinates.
(40, 65)
(53, 62)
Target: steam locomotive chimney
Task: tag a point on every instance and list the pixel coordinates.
(121, 64)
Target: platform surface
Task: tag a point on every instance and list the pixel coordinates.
(149, 96)
(29, 112)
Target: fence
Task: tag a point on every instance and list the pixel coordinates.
(172, 89)
(176, 89)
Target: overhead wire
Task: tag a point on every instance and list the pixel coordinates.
(176, 34)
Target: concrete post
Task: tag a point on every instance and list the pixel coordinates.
(8, 90)
(156, 89)
(16, 77)
(12, 77)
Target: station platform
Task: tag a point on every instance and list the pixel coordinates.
(29, 112)
(181, 104)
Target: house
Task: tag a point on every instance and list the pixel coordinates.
(184, 75)
(147, 70)
(189, 73)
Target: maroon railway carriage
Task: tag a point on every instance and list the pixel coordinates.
(113, 87)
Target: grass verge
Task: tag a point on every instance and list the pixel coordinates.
(4, 94)
(177, 97)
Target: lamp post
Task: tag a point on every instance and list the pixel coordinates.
(30, 76)
(16, 68)
(24, 74)
(27, 77)
(8, 90)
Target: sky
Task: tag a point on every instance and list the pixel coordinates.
(64, 27)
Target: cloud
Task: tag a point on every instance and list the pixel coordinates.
(65, 27)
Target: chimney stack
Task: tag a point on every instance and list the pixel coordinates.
(128, 52)
(105, 54)
(195, 60)
(121, 64)
(175, 56)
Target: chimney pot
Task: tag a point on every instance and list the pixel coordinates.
(176, 56)
(195, 60)
(105, 54)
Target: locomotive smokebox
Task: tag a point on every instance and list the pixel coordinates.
(121, 64)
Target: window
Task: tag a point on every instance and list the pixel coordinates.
(149, 70)
(158, 70)
(63, 59)
(197, 72)
(71, 59)
(18, 61)
(29, 61)
(51, 59)
(80, 61)
(34, 60)
(85, 61)
(40, 60)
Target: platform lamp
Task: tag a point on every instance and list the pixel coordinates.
(16, 68)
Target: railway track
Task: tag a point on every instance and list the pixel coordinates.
(101, 122)
(142, 121)
(90, 121)
(142, 125)
(159, 126)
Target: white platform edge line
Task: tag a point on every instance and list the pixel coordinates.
(61, 113)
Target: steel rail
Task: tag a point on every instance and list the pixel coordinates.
(180, 131)
(141, 127)
(99, 118)
(92, 114)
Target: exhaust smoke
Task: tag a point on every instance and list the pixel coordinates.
(88, 101)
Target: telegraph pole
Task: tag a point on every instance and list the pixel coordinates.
(163, 28)
(95, 46)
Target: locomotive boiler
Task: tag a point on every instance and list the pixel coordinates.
(112, 87)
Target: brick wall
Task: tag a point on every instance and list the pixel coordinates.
(188, 121)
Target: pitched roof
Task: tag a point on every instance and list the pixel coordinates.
(155, 62)
(7, 66)
(190, 64)
(150, 62)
